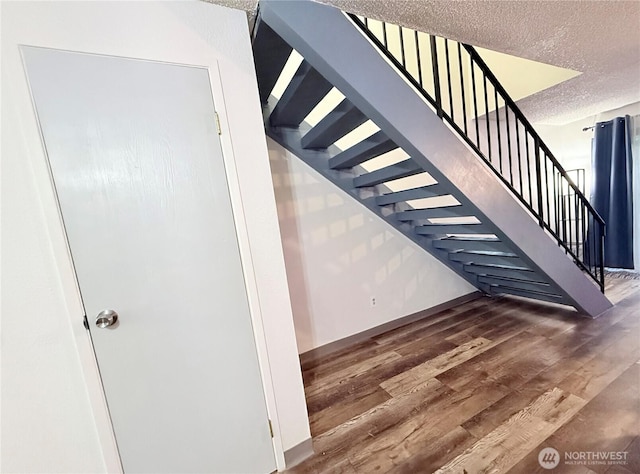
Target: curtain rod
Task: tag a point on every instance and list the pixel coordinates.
(602, 124)
(592, 127)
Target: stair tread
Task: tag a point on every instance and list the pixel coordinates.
(472, 239)
(506, 280)
(372, 146)
(454, 245)
(527, 293)
(434, 212)
(500, 267)
(440, 224)
(467, 229)
(388, 173)
(344, 118)
(304, 92)
(422, 192)
(488, 252)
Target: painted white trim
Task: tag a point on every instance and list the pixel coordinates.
(246, 258)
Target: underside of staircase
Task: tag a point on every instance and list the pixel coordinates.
(459, 212)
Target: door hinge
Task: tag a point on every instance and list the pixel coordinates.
(85, 321)
(271, 428)
(218, 124)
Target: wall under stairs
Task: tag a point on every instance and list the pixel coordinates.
(339, 256)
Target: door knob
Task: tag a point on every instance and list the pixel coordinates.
(106, 318)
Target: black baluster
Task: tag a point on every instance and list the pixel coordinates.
(526, 142)
(404, 60)
(519, 154)
(546, 185)
(446, 53)
(464, 101)
(436, 76)
(486, 115)
(506, 119)
(384, 34)
(539, 181)
(576, 223)
(475, 101)
(418, 57)
(602, 235)
(498, 128)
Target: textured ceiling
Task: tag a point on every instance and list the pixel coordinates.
(601, 39)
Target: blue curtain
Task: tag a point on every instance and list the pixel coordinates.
(611, 191)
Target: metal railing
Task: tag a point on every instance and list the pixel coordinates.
(459, 85)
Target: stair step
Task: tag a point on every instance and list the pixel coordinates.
(487, 258)
(491, 245)
(303, 93)
(499, 290)
(375, 145)
(435, 229)
(432, 213)
(335, 125)
(399, 170)
(270, 53)
(503, 271)
(410, 194)
(516, 284)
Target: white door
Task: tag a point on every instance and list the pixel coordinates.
(139, 173)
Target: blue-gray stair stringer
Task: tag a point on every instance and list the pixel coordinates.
(519, 259)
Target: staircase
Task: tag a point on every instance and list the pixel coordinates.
(438, 164)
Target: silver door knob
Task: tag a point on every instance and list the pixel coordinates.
(106, 318)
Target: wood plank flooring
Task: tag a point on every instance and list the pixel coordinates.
(482, 388)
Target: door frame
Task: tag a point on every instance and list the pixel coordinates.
(40, 167)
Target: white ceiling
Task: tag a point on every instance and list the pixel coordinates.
(601, 39)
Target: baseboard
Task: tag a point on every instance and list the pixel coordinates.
(322, 351)
(298, 453)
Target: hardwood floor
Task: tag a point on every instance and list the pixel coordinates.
(483, 387)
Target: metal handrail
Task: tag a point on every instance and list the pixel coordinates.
(584, 243)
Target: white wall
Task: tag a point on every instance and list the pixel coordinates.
(339, 255)
(53, 416)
